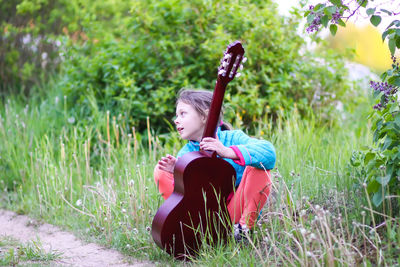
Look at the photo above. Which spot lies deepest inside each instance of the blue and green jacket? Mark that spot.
(251, 151)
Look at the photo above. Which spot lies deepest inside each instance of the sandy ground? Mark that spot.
(74, 251)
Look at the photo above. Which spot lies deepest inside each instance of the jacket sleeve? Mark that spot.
(185, 149)
(254, 152)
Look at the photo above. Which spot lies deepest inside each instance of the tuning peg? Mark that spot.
(227, 56)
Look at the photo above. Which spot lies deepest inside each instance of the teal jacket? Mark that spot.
(251, 151)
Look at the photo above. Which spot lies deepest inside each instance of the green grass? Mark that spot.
(96, 179)
(12, 253)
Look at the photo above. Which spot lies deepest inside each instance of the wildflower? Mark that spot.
(372, 231)
(148, 228)
(78, 202)
(71, 120)
(135, 231)
(26, 39)
(313, 236)
(123, 210)
(303, 231)
(309, 254)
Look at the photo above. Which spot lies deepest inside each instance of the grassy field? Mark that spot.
(96, 179)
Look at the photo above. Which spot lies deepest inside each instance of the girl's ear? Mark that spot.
(204, 117)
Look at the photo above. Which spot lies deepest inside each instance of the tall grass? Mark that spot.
(97, 180)
(316, 157)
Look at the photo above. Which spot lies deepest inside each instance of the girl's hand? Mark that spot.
(167, 163)
(212, 144)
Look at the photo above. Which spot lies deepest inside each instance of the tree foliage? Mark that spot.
(131, 57)
(31, 32)
(168, 45)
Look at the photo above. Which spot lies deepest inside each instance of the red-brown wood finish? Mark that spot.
(196, 210)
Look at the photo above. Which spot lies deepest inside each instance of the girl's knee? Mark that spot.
(157, 174)
(162, 175)
(257, 174)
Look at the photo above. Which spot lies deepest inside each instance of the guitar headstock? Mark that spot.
(231, 62)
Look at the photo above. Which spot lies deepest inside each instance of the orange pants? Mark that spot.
(247, 201)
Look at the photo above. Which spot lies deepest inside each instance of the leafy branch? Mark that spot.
(381, 165)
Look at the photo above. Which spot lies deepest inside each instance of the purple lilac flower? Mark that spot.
(388, 92)
(335, 17)
(395, 63)
(315, 24)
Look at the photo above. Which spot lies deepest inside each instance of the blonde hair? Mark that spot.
(200, 100)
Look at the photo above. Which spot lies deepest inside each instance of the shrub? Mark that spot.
(379, 166)
(30, 32)
(172, 44)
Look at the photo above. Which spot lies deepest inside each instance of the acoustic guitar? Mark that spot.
(196, 212)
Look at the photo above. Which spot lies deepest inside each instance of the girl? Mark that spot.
(249, 157)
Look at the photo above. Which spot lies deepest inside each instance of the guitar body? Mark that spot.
(196, 211)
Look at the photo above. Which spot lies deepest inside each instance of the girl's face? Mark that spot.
(189, 123)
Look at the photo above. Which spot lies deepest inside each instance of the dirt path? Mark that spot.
(74, 251)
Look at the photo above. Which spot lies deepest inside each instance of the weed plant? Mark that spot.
(97, 179)
(14, 253)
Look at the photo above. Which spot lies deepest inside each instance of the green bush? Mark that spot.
(166, 45)
(30, 33)
(378, 166)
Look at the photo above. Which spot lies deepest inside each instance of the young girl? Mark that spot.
(249, 157)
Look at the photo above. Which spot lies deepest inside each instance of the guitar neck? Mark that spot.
(215, 110)
(226, 72)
